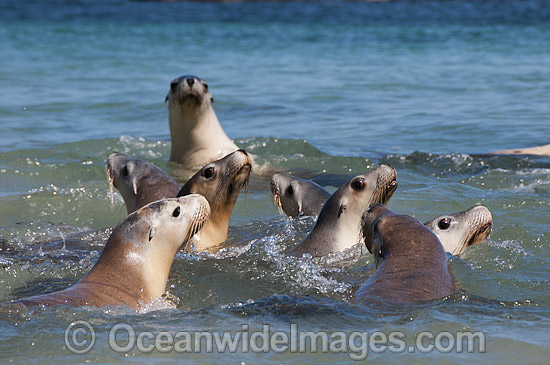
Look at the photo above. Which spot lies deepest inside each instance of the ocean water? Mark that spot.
(326, 90)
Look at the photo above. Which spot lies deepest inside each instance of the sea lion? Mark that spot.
(460, 230)
(139, 182)
(411, 262)
(296, 196)
(134, 265)
(338, 225)
(220, 182)
(196, 133)
(538, 150)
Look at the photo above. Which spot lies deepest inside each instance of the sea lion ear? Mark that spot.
(134, 187)
(378, 257)
(151, 233)
(364, 237)
(211, 99)
(376, 248)
(300, 210)
(296, 188)
(167, 97)
(341, 209)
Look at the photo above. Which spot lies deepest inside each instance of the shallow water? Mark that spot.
(325, 90)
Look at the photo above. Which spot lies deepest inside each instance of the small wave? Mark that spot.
(258, 257)
(143, 148)
(168, 301)
(452, 164)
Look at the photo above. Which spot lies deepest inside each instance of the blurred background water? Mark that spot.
(327, 89)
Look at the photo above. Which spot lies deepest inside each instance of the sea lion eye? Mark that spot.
(445, 223)
(176, 212)
(290, 191)
(208, 173)
(358, 184)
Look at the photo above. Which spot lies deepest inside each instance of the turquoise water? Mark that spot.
(324, 89)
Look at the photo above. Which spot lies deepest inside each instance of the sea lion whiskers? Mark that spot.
(388, 187)
(276, 197)
(198, 221)
(480, 233)
(246, 183)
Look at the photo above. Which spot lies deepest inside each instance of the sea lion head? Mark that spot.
(189, 92)
(283, 190)
(460, 230)
(139, 182)
(295, 196)
(163, 226)
(356, 195)
(220, 182)
(387, 233)
(411, 264)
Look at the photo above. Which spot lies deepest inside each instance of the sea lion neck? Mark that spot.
(124, 272)
(197, 136)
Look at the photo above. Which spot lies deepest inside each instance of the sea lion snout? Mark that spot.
(196, 202)
(388, 181)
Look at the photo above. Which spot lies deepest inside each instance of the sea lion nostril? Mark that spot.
(190, 81)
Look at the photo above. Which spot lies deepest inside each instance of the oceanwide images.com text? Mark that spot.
(80, 338)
